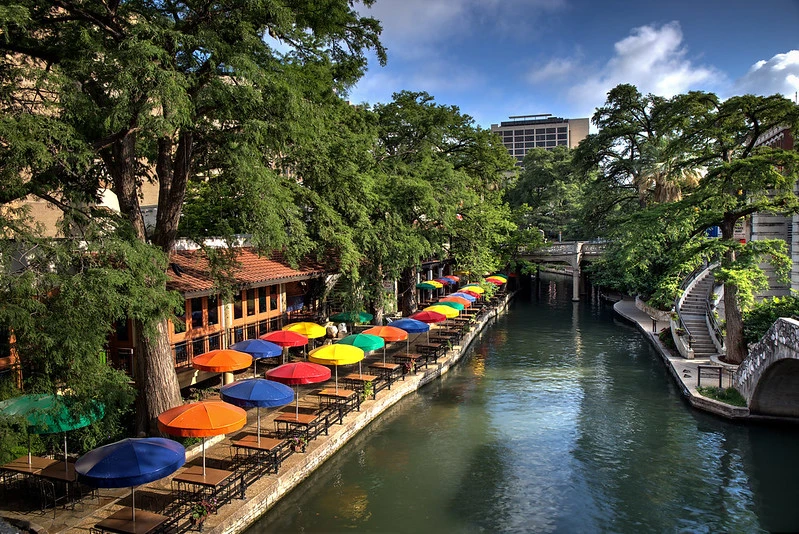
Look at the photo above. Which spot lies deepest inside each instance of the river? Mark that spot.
(562, 418)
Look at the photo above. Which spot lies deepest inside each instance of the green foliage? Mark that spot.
(729, 396)
(758, 319)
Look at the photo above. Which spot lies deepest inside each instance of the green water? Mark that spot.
(561, 419)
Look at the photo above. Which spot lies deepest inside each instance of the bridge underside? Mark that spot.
(777, 391)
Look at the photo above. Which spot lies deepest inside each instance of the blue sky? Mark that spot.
(496, 58)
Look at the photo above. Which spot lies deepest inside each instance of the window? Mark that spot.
(197, 312)
(273, 298)
(237, 306)
(180, 322)
(122, 330)
(250, 302)
(562, 129)
(561, 142)
(262, 300)
(213, 310)
(519, 132)
(550, 130)
(519, 145)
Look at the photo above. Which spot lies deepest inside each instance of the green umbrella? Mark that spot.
(365, 342)
(425, 285)
(49, 414)
(352, 317)
(458, 306)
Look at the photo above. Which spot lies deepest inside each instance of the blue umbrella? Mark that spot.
(130, 462)
(412, 326)
(258, 393)
(470, 298)
(258, 349)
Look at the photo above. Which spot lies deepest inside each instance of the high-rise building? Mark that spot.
(523, 132)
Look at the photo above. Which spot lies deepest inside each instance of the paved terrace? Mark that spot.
(266, 490)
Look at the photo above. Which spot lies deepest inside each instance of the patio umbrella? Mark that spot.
(457, 306)
(444, 281)
(501, 277)
(426, 285)
(46, 413)
(446, 311)
(365, 342)
(474, 289)
(453, 277)
(222, 361)
(336, 355)
(129, 463)
(464, 295)
(468, 291)
(412, 326)
(258, 349)
(495, 281)
(390, 334)
(258, 393)
(202, 419)
(296, 373)
(352, 317)
(309, 330)
(456, 299)
(429, 317)
(435, 283)
(286, 338)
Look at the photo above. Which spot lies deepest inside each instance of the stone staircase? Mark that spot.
(693, 311)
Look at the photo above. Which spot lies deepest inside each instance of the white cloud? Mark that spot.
(554, 70)
(778, 75)
(651, 58)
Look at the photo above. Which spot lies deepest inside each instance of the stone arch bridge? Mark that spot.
(573, 253)
(769, 377)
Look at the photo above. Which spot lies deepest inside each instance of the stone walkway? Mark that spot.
(685, 372)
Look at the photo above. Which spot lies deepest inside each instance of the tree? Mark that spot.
(437, 190)
(548, 185)
(122, 93)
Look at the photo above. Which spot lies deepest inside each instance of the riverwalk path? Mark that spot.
(685, 372)
(265, 491)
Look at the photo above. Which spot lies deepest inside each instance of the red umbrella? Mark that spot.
(286, 338)
(429, 317)
(296, 373)
(472, 293)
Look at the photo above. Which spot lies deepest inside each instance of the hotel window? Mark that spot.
(213, 310)
(518, 132)
(250, 302)
(262, 300)
(562, 129)
(550, 130)
(122, 330)
(273, 298)
(237, 306)
(197, 312)
(519, 145)
(561, 141)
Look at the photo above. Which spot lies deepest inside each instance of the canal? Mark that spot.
(560, 419)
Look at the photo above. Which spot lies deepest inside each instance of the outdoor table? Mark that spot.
(20, 465)
(342, 400)
(58, 473)
(388, 371)
(429, 350)
(357, 381)
(268, 447)
(192, 484)
(288, 421)
(410, 359)
(121, 522)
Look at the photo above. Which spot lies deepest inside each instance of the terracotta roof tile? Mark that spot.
(189, 271)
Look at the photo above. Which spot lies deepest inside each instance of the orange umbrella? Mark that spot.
(388, 333)
(459, 300)
(202, 419)
(222, 361)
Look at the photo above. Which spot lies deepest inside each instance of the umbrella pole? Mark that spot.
(133, 503)
(336, 366)
(384, 354)
(203, 456)
(66, 465)
(254, 368)
(297, 401)
(29, 448)
(258, 414)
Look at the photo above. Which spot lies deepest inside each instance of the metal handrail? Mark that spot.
(699, 269)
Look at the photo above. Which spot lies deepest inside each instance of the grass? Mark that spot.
(729, 396)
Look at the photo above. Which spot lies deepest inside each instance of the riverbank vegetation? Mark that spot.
(729, 396)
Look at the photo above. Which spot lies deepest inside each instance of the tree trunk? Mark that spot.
(156, 381)
(407, 291)
(734, 339)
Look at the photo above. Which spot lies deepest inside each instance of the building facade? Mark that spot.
(524, 132)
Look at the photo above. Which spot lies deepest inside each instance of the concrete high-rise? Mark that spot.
(523, 132)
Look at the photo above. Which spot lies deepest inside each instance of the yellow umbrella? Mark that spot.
(309, 330)
(437, 285)
(446, 311)
(475, 288)
(336, 354)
